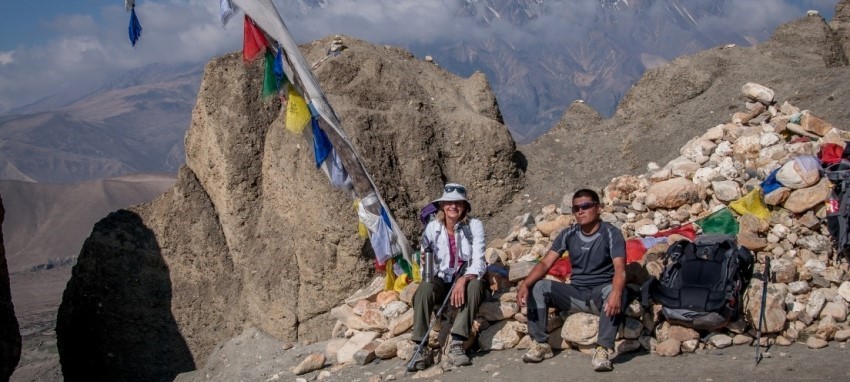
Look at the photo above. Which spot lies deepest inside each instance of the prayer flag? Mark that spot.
(254, 41)
(269, 79)
(135, 29)
(321, 144)
(721, 222)
(686, 230)
(634, 250)
(297, 113)
(228, 10)
(751, 204)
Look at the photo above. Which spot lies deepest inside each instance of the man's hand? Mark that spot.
(522, 295)
(459, 292)
(613, 304)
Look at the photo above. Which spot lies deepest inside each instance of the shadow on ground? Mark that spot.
(115, 321)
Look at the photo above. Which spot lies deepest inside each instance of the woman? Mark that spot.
(457, 242)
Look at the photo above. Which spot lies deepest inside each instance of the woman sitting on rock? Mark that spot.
(455, 240)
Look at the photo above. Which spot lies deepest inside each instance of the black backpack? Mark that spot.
(702, 282)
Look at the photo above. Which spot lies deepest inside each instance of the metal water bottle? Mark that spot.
(428, 267)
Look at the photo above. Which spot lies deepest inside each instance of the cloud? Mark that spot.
(90, 49)
(84, 53)
(6, 58)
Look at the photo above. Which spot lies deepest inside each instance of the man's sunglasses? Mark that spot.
(583, 206)
(459, 189)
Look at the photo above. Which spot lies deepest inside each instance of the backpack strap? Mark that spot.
(467, 232)
(646, 291)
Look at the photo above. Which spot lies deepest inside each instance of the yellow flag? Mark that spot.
(751, 204)
(390, 279)
(297, 112)
(401, 282)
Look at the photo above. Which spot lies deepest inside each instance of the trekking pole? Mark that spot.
(433, 320)
(765, 280)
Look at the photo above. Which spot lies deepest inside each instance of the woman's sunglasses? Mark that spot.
(583, 206)
(459, 189)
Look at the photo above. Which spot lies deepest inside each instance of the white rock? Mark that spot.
(728, 168)
(758, 92)
(395, 309)
(720, 341)
(814, 266)
(836, 310)
(747, 147)
(355, 343)
(706, 175)
(647, 230)
(798, 287)
(724, 149)
(726, 191)
(698, 150)
(581, 328)
(844, 291)
(683, 167)
(769, 139)
(816, 302)
(780, 230)
(715, 133)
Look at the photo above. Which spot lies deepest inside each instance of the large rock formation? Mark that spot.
(804, 59)
(10, 337)
(252, 234)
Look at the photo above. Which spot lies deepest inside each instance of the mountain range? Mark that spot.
(538, 55)
(134, 123)
(47, 223)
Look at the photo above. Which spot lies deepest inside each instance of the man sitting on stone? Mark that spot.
(597, 254)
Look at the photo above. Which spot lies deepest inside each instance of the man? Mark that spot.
(597, 254)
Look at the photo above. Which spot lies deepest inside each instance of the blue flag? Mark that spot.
(135, 28)
(321, 144)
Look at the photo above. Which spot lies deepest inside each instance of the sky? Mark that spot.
(56, 46)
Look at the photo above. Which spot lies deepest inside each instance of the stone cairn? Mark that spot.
(808, 302)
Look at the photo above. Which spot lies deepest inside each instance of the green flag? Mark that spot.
(721, 222)
(269, 79)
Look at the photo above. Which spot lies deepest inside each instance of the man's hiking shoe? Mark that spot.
(419, 361)
(538, 352)
(457, 355)
(601, 359)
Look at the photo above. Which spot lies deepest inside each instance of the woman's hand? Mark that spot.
(459, 292)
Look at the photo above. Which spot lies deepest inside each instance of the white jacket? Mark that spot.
(471, 254)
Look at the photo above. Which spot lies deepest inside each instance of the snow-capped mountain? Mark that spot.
(541, 55)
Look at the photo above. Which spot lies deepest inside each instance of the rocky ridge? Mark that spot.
(807, 298)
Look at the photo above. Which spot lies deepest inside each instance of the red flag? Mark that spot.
(561, 268)
(830, 153)
(686, 230)
(254, 43)
(634, 250)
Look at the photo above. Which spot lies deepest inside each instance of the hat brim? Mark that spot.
(437, 202)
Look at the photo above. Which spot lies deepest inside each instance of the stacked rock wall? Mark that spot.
(808, 295)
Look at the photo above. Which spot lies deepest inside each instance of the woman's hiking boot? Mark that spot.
(421, 360)
(601, 360)
(457, 355)
(538, 352)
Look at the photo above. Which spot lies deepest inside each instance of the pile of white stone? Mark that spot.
(807, 299)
